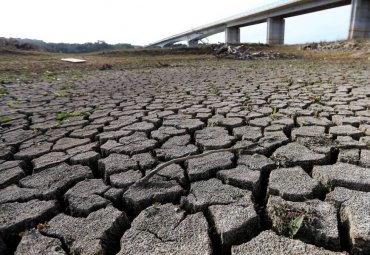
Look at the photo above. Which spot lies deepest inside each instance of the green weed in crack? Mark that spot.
(295, 225)
(274, 113)
(66, 115)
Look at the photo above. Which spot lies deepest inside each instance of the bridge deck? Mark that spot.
(284, 9)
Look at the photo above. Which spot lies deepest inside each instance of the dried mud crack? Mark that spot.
(210, 157)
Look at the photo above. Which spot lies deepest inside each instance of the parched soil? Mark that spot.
(73, 149)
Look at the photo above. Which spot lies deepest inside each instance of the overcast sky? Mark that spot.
(141, 22)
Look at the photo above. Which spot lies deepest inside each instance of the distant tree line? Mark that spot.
(30, 44)
(15, 44)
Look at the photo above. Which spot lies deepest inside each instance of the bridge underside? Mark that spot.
(193, 38)
(275, 19)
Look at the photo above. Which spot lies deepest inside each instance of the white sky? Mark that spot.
(141, 22)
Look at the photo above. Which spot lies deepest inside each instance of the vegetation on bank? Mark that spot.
(25, 66)
(39, 45)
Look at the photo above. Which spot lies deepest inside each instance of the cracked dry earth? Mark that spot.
(70, 186)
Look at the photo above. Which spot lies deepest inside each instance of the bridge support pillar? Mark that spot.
(360, 19)
(232, 35)
(193, 43)
(275, 30)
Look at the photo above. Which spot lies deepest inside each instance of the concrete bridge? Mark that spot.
(275, 15)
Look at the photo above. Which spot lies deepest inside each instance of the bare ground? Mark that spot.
(75, 140)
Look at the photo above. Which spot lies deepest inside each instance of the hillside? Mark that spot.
(14, 44)
(39, 45)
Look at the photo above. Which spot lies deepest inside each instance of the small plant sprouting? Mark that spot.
(49, 76)
(4, 120)
(156, 205)
(45, 93)
(64, 87)
(308, 89)
(62, 93)
(319, 81)
(315, 99)
(66, 115)
(14, 103)
(98, 109)
(294, 225)
(153, 210)
(35, 130)
(238, 196)
(3, 92)
(247, 106)
(274, 113)
(215, 91)
(288, 80)
(316, 114)
(177, 208)
(214, 123)
(247, 100)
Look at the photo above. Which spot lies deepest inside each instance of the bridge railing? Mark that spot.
(255, 10)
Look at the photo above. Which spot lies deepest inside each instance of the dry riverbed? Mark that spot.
(73, 145)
